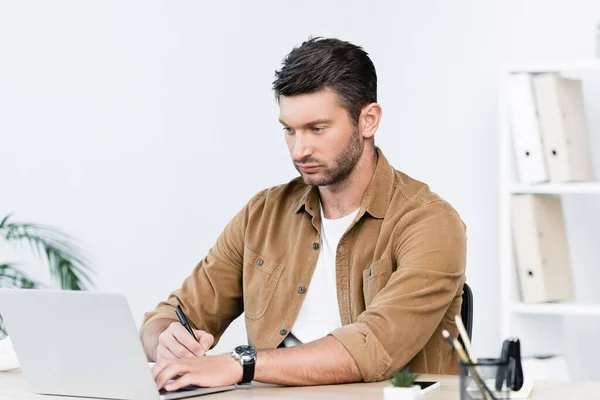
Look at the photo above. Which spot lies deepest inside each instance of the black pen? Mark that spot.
(184, 321)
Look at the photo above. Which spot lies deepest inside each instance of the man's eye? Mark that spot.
(317, 130)
(287, 129)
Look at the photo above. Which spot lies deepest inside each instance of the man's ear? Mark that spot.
(368, 122)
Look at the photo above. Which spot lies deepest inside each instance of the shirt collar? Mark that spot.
(377, 196)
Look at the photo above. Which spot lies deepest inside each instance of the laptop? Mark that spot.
(75, 343)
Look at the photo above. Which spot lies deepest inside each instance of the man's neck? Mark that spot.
(342, 198)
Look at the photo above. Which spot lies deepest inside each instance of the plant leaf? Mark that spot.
(65, 260)
(68, 266)
(4, 220)
(403, 378)
(12, 277)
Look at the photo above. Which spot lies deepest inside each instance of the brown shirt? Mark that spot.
(400, 269)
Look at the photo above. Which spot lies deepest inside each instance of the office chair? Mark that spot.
(466, 310)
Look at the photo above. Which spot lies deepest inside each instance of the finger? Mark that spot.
(163, 352)
(186, 340)
(167, 341)
(206, 339)
(159, 366)
(175, 345)
(171, 371)
(183, 381)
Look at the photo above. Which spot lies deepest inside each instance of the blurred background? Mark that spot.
(142, 127)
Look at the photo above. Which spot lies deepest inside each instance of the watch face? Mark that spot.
(245, 352)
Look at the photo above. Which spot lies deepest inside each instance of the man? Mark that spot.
(345, 274)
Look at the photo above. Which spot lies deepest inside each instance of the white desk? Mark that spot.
(13, 386)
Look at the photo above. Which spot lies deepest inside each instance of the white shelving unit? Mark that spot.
(554, 66)
(557, 309)
(516, 317)
(549, 188)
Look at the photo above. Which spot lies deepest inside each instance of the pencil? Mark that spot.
(463, 356)
(465, 338)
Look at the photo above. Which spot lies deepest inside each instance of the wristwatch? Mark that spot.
(246, 355)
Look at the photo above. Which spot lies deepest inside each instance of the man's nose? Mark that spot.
(302, 148)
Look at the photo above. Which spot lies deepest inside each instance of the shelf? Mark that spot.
(558, 188)
(557, 309)
(556, 66)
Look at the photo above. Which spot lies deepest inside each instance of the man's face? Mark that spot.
(324, 144)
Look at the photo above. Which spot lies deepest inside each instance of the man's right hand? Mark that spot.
(176, 342)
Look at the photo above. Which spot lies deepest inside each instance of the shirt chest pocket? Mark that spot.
(259, 280)
(375, 278)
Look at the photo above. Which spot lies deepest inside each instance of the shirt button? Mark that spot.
(301, 290)
(282, 332)
(260, 262)
(315, 246)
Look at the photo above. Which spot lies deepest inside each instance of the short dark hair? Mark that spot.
(321, 63)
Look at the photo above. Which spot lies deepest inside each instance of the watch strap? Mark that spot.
(248, 375)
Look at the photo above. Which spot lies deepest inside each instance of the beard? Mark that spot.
(343, 165)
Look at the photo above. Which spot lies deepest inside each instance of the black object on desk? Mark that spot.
(500, 376)
(513, 373)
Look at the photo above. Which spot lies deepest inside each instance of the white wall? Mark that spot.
(141, 127)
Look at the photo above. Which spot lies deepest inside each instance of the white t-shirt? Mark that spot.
(319, 313)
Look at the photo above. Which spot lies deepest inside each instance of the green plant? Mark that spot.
(69, 268)
(403, 378)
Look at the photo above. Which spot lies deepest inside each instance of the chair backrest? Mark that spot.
(466, 311)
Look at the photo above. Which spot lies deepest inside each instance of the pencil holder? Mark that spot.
(486, 379)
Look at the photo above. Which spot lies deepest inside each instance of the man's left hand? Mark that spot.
(207, 371)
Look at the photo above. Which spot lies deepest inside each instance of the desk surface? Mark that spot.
(13, 386)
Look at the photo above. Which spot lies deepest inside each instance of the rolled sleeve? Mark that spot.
(162, 311)
(369, 354)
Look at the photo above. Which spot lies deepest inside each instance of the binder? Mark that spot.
(527, 139)
(541, 249)
(564, 128)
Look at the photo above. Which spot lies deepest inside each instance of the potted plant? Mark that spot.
(403, 387)
(69, 267)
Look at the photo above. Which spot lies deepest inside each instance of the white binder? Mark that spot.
(541, 249)
(527, 140)
(564, 128)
